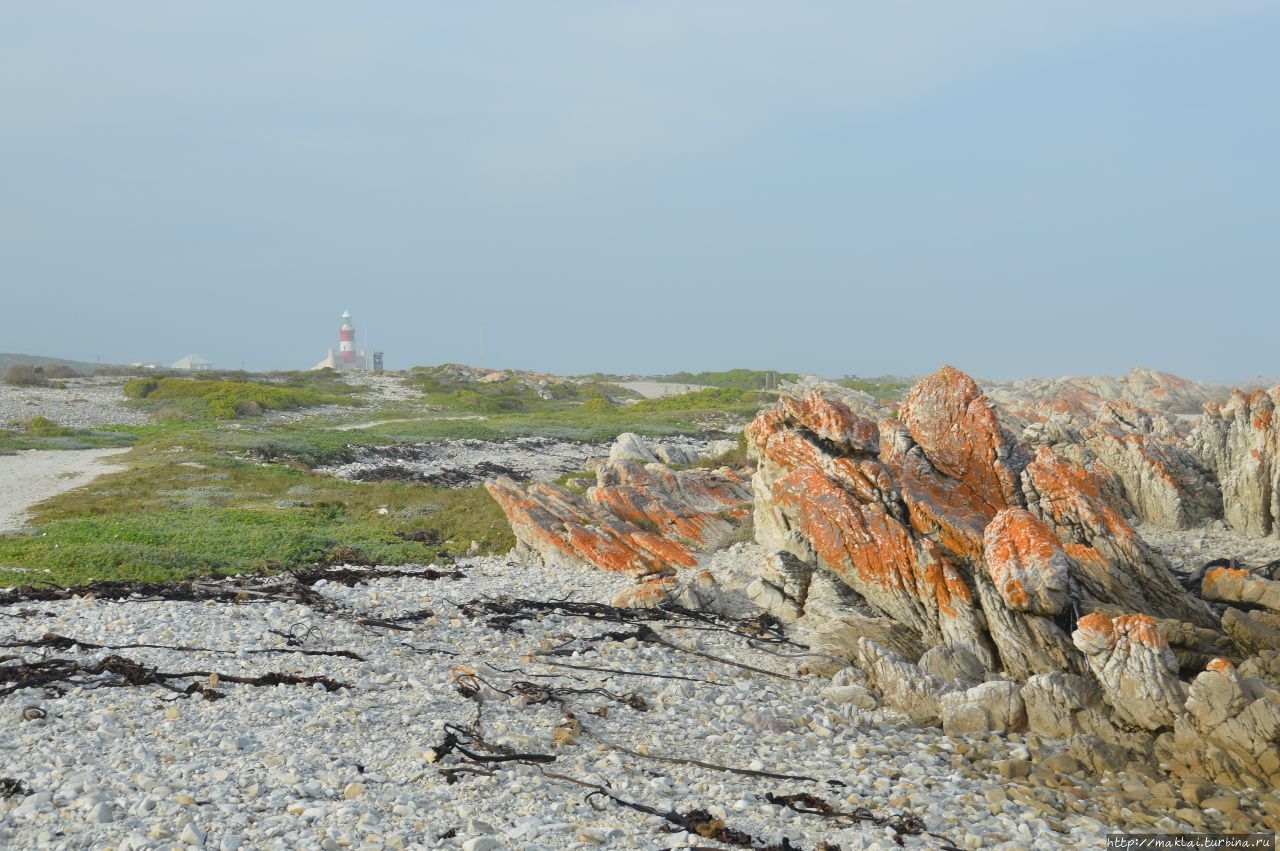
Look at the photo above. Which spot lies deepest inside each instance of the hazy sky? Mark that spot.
(839, 187)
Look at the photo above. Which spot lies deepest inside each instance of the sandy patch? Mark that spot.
(35, 475)
(658, 389)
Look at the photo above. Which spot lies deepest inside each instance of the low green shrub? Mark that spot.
(224, 399)
(42, 427)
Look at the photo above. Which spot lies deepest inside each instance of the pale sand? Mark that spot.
(34, 475)
(658, 389)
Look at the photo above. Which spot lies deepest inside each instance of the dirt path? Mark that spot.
(35, 475)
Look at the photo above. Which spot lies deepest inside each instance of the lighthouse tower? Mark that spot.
(347, 343)
(346, 356)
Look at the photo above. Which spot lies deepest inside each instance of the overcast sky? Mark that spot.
(1014, 188)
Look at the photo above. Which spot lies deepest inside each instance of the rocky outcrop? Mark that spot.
(1015, 568)
(1240, 442)
(939, 522)
(1112, 564)
(1151, 469)
(1231, 730)
(639, 519)
(1085, 397)
(1135, 667)
(1237, 585)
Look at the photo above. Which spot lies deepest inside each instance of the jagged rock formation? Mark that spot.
(639, 519)
(1138, 672)
(1085, 397)
(1240, 442)
(947, 526)
(1231, 730)
(979, 581)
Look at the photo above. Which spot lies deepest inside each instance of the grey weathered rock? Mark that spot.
(631, 447)
(1137, 671)
(953, 665)
(1252, 631)
(1059, 705)
(901, 684)
(994, 707)
(782, 586)
(1099, 756)
(1158, 477)
(1231, 730)
(1240, 442)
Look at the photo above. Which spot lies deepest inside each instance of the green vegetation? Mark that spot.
(43, 433)
(229, 398)
(711, 399)
(884, 389)
(42, 427)
(741, 379)
(201, 496)
(448, 388)
(176, 512)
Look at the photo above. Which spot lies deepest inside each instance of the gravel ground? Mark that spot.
(1189, 549)
(467, 462)
(83, 403)
(297, 766)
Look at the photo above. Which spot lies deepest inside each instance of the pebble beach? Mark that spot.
(299, 766)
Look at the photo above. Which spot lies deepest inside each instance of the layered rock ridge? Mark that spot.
(944, 531)
(642, 519)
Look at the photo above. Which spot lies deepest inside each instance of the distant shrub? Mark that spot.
(25, 375)
(714, 398)
(598, 405)
(140, 388)
(42, 427)
(741, 379)
(59, 371)
(223, 399)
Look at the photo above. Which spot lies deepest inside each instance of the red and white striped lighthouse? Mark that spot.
(347, 342)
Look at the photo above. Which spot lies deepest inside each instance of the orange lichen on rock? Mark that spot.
(940, 509)
(953, 422)
(828, 420)
(943, 582)
(1211, 577)
(553, 525)
(1143, 630)
(831, 420)
(858, 541)
(1097, 629)
(1026, 563)
(1219, 664)
(1103, 632)
(646, 595)
(876, 556)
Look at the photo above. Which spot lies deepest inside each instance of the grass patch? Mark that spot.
(41, 427)
(883, 389)
(739, 379)
(43, 433)
(202, 496)
(163, 520)
(229, 398)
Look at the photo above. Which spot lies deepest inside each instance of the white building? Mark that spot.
(193, 363)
